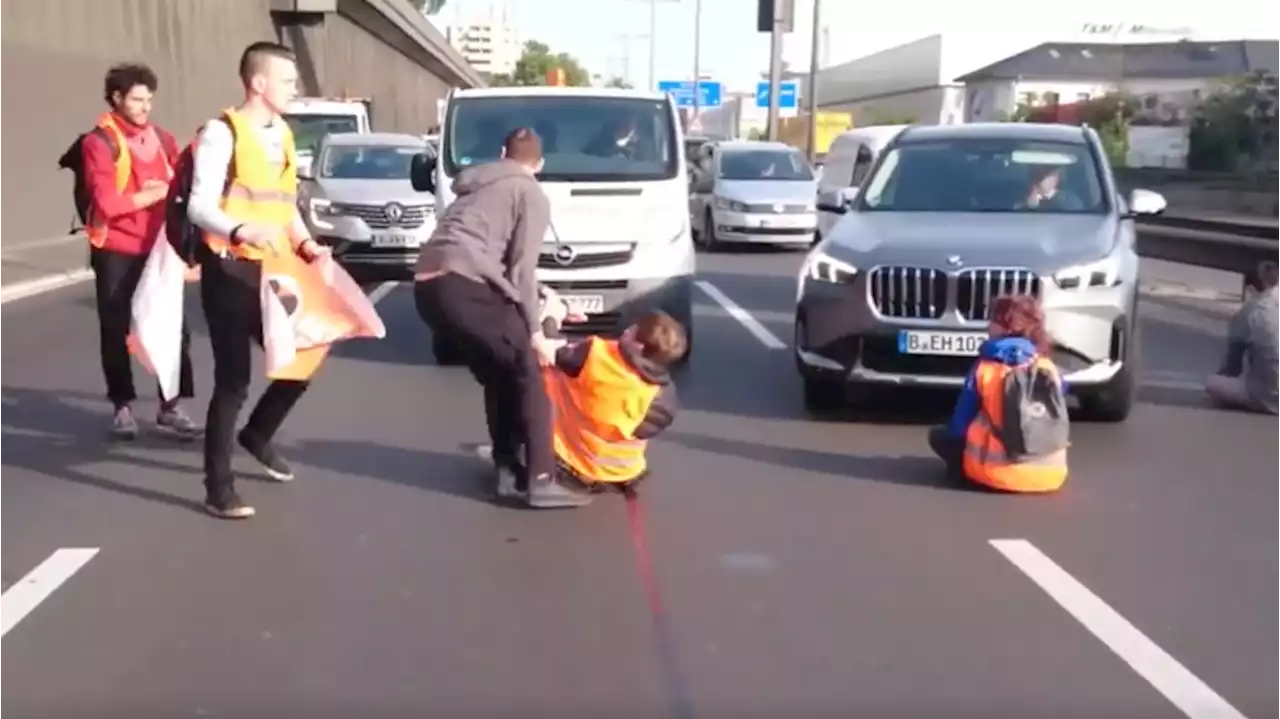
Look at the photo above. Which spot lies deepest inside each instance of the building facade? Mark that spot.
(489, 42)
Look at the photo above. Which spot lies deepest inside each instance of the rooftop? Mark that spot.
(1111, 62)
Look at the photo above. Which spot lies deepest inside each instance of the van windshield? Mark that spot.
(584, 139)
(309, 129)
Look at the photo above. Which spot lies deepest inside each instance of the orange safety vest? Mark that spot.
(597, 413)
(95, 226)
(259, 190)
(985, 461)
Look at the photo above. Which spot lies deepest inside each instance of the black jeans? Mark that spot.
(115, 277)
(229, 292)
(494, 339)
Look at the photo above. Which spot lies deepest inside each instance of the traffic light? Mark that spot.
(786, 15)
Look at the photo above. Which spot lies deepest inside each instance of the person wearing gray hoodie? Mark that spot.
(475, 285)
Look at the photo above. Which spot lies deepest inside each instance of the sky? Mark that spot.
(733, 52)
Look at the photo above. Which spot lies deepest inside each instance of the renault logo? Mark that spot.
(954, 260)
(393, 212)
(564, 255)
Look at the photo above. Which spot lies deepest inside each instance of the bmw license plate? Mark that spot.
(395, 239)
(947, 344)
(586, 304)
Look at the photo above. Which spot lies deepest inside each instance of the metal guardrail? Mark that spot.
(1233, 245)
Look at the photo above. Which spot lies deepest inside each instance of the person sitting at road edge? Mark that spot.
(1249, 377)
(1009, 430)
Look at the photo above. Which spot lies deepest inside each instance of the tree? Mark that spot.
(1235, 128)
(534, 64)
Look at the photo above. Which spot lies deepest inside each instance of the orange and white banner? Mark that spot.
(156, 337)
(306, 307)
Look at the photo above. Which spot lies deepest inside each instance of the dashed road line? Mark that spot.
(41, 285)
(27, 593)
(759, 331)
(381, 291)
(1182, 688)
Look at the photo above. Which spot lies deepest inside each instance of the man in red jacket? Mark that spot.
(128, 164)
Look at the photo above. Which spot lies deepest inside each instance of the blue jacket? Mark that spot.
(1011, 351)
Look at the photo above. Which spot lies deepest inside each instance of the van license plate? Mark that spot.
(395, 239)
(586, 304)
(948, 344)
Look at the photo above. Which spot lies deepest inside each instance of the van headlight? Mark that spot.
(725, 203)
(322, 212)
(1103, 273)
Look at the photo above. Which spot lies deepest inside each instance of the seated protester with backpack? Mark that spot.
(610, 398)
(1009, 431)
(123, 167)
(1249, 378)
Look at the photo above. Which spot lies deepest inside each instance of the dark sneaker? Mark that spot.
(175, 421)
(230, 507)
(123, 425)
(546, 493)
(272, 463)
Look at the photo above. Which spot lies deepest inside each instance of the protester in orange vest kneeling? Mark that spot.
(1009, 431)
(610, 398)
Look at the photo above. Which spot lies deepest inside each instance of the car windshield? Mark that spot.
(308, 130)
(986, 175)
(584, 139)
(367, 162)
(764, 165)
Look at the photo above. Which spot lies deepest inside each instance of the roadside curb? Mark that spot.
(41, 285)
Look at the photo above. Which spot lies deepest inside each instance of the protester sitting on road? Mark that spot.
(610, 398)
(475, 284)
(125, 165)
(1250, 370)
(1009, 430)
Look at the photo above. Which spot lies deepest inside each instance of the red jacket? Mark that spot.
(129, 230)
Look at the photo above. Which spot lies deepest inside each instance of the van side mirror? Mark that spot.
(1146, 202)
(422, 172)
(304, 171)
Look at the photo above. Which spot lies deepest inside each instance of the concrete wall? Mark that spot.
(55, 53)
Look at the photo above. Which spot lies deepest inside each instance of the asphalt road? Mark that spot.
(800, 568)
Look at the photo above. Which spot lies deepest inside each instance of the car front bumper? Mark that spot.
(623, 301)
(773, 229)
(839, 336)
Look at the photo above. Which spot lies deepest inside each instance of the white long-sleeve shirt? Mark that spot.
(212, 159)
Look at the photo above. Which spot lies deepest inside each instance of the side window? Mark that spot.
(861, 166)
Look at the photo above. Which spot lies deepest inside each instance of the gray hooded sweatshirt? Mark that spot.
(493, 233)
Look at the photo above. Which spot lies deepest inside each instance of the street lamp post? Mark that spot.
(812, 100)
(697, 56)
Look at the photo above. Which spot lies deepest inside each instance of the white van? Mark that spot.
(848, 161)
(615, 174)
(311, 118)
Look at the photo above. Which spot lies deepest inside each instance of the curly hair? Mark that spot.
(1021, 316)
(126, 76)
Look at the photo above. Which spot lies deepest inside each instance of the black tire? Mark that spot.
(446, 354)
(1114, 401)
(822, 396)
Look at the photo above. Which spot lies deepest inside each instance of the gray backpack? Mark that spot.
(1035, 413)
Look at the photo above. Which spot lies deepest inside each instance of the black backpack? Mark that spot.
(73, 159)
(182, 234)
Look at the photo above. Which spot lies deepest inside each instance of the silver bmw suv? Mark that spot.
(951, 217)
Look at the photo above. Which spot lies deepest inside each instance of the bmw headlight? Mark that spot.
(821, 267)
(1103, 273)
(725, 203)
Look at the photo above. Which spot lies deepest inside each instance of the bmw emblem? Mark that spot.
(954, 260)
(394, 212)
(564, 255)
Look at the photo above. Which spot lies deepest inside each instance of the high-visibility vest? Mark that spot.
(597, 414)
(985, 460)
(259, 190)
(95, 225)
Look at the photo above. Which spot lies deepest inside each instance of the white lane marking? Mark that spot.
(767, 338)
(55, 241)
(27, 593)
(381, 291)
(41, 285)
(1182, 688)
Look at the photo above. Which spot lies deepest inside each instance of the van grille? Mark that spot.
(586, 260)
